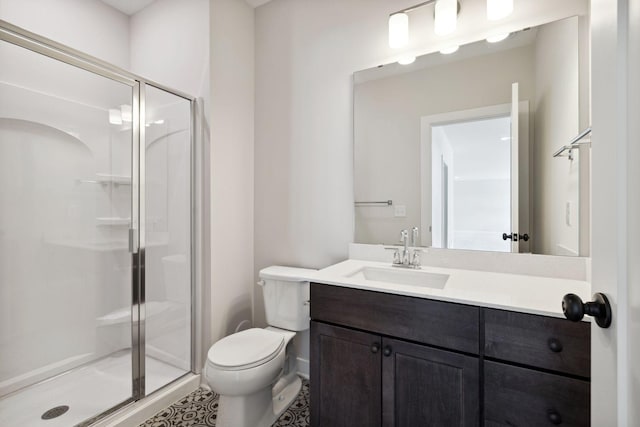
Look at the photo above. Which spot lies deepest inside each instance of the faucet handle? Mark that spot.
(415, 259)
(396, 254)
(404, 235)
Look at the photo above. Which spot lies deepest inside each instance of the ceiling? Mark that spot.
(128, 7)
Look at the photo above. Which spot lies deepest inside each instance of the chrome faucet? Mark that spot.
(407, 258)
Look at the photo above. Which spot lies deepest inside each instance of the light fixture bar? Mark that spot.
(414, 7)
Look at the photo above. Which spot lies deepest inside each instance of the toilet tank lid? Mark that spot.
(278, 272)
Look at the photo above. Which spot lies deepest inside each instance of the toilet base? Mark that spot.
(260, 409)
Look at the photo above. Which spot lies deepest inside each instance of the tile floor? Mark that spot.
(200, 408)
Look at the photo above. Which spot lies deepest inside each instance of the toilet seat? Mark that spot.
(246, 349)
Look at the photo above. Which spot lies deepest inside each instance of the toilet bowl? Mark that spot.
(254, 371)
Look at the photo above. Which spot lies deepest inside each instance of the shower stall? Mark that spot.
(97, 230)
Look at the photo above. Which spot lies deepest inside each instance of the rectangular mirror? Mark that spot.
(462, 146)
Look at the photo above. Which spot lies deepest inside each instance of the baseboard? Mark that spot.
(303, 368)
(138, 412)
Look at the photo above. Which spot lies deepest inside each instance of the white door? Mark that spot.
(615, 62)
(515, 156)
(471, 205)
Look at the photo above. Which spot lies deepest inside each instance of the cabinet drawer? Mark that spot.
(544, 342)
(524, 397)
(453, 326)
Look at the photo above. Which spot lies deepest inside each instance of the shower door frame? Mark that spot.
(41, 45)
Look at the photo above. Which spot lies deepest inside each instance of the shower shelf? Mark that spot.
(107, 179)
(123, 315)
(113, 221)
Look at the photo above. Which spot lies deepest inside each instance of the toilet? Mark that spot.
(254, 371)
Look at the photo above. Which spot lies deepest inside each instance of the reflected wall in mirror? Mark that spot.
(462, 146)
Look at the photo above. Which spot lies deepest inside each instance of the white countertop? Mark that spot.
(515, 292)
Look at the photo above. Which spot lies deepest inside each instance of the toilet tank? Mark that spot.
(286, 296)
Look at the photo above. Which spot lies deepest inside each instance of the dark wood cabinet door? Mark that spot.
(424, 386)
(345, 373)
(522, 397)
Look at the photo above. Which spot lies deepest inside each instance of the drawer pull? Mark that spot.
(387, 351)
(554, 418)
(375, 347)
(554, 345)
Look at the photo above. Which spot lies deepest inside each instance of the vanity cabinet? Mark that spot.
(363, 379)
(387, 375)
(381, 359)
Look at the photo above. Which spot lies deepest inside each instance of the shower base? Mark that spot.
(87, 391)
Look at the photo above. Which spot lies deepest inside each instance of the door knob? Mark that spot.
(574, 309)
(515, 236)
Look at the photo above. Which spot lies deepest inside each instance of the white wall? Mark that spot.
(88, 26)
(306, 52)
(170, 45)
(232, 203)
(556, 180)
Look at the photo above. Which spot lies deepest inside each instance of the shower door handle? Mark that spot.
(133, 241)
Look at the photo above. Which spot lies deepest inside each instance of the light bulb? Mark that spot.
(115, 118)
(449, 50)
(498, 9)
(497, 37)
(406, 60)
(398, 30)
(446, 16)
(126, 112)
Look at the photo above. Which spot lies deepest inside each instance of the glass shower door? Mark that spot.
(65, 267)
(167, 235)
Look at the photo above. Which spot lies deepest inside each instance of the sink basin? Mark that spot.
(401, 277)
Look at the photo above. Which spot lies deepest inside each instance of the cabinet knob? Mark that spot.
(554, 345)
(554, 417)
(574, 309)
(375, 347)
(387, 351)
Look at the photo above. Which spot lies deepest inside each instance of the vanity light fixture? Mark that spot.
(449, 50)
(445, 21)
(497, 37)
(406, 60)
(498, 9)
